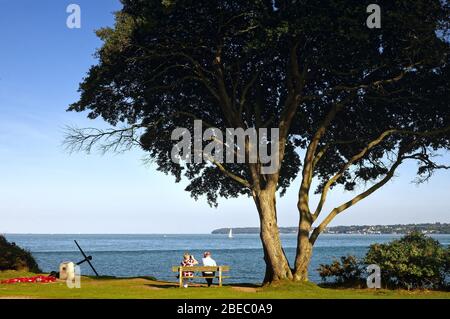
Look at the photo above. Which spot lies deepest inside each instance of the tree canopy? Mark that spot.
(231, 64)
(355, 102)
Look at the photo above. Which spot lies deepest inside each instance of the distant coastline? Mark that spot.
(426, 228)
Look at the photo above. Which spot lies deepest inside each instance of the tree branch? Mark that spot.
(307, 172)
(245, 90)
(378, 83)
(77, 140)
(325, 148)
(318, 230)
(361, 154)
(235, 177)
(224, 99)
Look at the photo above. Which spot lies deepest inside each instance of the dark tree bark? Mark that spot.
(277, 265)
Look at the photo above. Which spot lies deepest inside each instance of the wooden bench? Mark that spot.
(217, 269)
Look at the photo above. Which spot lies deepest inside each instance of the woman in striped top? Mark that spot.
(188, 261)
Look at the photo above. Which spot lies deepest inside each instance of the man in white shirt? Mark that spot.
(208, 261)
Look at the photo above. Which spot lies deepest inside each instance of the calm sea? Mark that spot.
(153, 255)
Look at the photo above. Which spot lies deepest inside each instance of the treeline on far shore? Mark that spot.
(427, 228)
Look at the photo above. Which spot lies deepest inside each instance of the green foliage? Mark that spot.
(414, 261)
(13, 257)
(248, 64)
(347, 271)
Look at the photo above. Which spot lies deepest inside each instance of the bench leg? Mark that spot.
(220, 276)
(181, 278)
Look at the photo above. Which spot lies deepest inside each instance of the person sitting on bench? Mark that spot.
(208, 261)
(188, 261)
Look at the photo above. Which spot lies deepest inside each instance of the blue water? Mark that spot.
(153, 255)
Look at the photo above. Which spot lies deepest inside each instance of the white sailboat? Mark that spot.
(230, 234)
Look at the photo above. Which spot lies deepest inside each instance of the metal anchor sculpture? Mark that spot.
(86, 259)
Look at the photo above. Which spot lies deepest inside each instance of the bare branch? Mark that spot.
(116, 140)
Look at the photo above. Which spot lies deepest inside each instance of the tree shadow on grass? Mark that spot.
(169, 284)
(121, 278)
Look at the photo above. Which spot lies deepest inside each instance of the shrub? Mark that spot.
(13, 257)
(347, 271)
(414, 261)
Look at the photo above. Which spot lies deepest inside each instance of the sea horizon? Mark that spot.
(239, 228)
(135, 255)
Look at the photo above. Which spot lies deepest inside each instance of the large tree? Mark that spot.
(354, 102)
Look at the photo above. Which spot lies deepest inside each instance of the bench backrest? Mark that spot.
(200, 268)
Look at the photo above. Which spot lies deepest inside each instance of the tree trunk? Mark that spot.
(277, 265)
(303, 258)
(304, 246)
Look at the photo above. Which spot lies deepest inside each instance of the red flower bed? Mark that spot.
(35, 279)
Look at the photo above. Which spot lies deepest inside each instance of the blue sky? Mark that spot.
(43, 189)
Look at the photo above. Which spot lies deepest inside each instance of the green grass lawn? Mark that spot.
(148, 288)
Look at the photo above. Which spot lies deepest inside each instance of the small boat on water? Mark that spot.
(230, 234)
